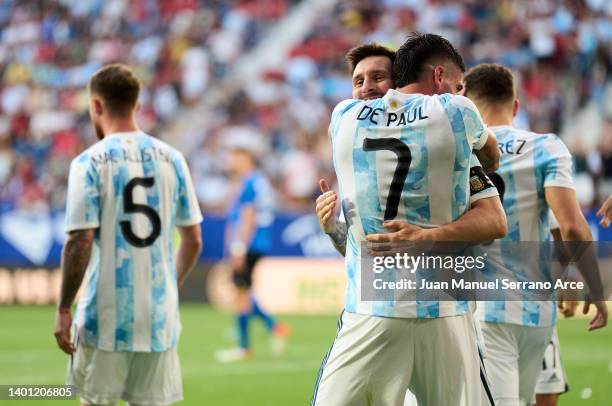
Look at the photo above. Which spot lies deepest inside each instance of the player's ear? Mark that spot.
(515, 107)
(137, 109)
(98, 106)
(438, 76)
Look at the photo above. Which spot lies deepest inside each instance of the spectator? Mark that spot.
(560, 50)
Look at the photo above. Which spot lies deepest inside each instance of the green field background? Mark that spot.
(28, 355)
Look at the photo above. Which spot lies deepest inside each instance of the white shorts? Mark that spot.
(552, 378)
(410, 399)
(139, 378)
(375, 360)
(514, 360)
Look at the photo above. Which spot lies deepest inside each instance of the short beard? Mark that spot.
(373, 96)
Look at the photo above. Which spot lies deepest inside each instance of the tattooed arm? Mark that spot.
(75, 257)
(338, 237)
(324, 208)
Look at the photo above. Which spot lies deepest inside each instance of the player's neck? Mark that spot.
(493, 119)
(415, 88)
(114, 126)
(495, 114)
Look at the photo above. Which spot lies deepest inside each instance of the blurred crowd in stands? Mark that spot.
(560, 50)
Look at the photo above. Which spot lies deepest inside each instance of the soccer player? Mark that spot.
(536, 170)
(382, 348)
(126, 193)
(370, 66)
(552, 380)
(248, 236)
(605, 212)
(491, 87)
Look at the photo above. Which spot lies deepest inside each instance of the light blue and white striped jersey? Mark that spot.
(481, 186)
(402, 157)
(133, 189)
(529, 163)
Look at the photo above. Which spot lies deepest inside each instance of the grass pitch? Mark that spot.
(28, 355)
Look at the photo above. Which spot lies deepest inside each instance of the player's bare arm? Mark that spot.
(484, 221)
(325, 210)
(489, 154)
(573, 226)
(566, 307)
(605, 212)
(75, 257)
(188, 251)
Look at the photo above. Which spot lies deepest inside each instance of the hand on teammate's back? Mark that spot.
(398, 231)
(605, 212)
(325, 206)
(394, 240)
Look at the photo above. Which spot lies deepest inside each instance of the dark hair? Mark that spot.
(117, 87)
(419, 50)
(357, 54)
(490, 83)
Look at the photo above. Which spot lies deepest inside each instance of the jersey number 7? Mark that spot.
(404, 158)
(130, 207)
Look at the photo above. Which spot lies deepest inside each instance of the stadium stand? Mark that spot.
(183, 48)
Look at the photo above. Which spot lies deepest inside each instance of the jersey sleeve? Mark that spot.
(558, 170)
(481, 187)
(337, 114)
(462, 113)
(248, 195)
(83, 200)
(188, 209)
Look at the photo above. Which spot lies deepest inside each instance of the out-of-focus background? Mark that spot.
(274, 69)
(271, 70)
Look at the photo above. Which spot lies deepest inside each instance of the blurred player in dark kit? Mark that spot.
(248, 238)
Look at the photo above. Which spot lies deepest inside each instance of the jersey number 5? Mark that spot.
(404, 158)
(130, 207)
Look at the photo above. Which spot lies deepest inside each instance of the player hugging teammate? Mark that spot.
(408, 345)
(410, 155)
